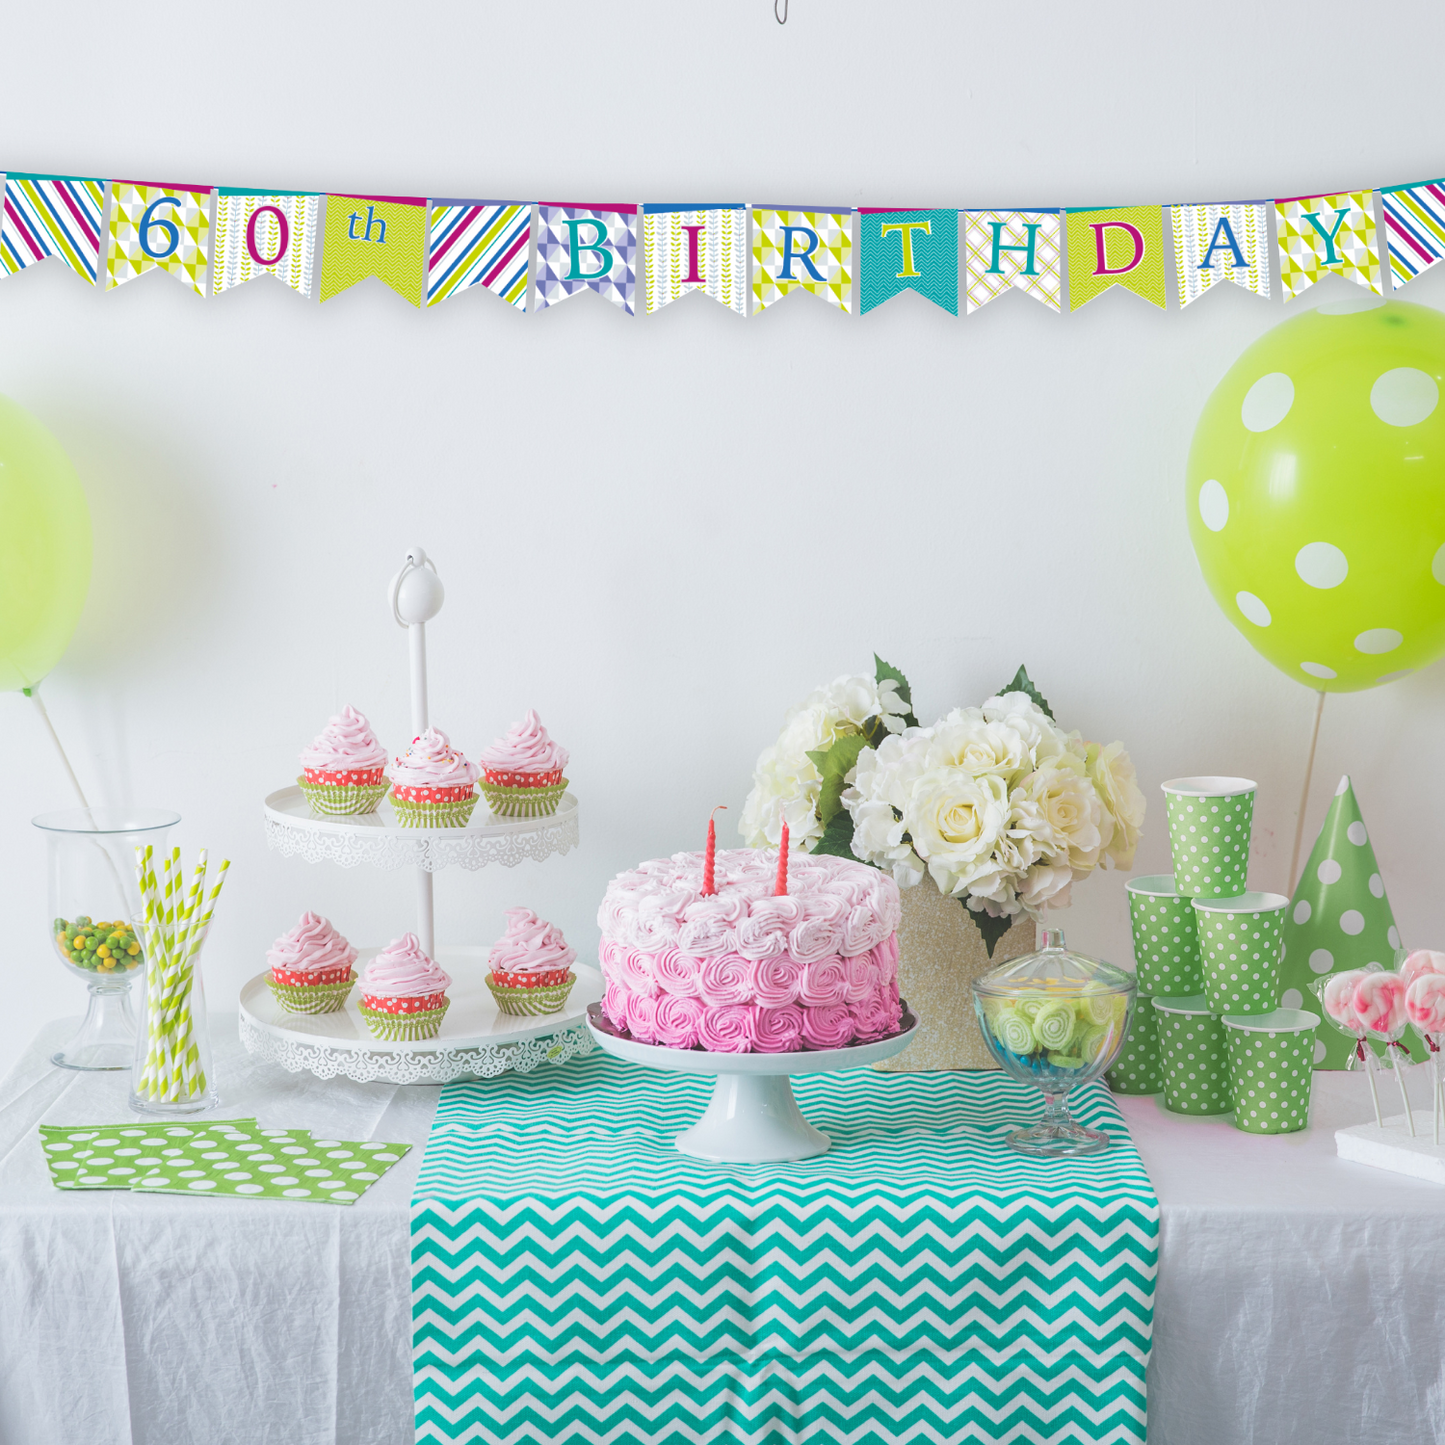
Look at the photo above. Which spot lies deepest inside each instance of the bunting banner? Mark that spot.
(811, 249)
(1220, 243)
(1007, 250)
(696, 248)
(907, 251)
(1327, 235)
(158, 226)
(51, 216)
(1118, 246)
(479, 243)
(381, 236)
(264, 233)
(1414, 228)
(586, 248)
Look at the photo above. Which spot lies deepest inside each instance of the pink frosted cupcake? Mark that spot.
(432, 784)
(343, 771)
(311, 969)
(522, 772)
(403, 992)
(531, 966)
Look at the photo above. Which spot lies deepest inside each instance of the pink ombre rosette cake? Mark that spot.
(432, 784)
(311, 969)
(522, 772)
(403, 992)
(746, 971)
(343, 771)
(531, 966)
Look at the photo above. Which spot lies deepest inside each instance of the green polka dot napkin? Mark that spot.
(1210, 822)
(90, 1157)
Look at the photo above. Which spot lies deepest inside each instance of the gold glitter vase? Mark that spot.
(941, 952)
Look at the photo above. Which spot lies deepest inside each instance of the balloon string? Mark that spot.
(33, 693)
(1299, 827)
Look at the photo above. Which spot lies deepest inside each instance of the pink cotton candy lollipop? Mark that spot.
(1425, 1002)
(1379, 1001)
(1338, 996)
(1420, 962)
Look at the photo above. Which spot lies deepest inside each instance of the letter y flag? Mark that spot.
(1324, 235)
(381, 236)
(158, 226)
(586, 248)
(260, 233)
(908, 250)
(807, 249)
(1122, 246)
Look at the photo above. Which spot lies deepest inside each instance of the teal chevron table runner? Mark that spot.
(575, 1278)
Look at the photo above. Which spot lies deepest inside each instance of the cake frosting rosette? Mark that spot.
(531, 966)
(311, 969)
(344, 771)
(403, 992)
(432, 784)
(522, 772)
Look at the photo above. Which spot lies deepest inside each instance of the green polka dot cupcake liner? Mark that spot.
(1166, 940)
(1138, 1069)
(1194, 1057)
(1210, 823)
(1241, 946)
(1271, 1070)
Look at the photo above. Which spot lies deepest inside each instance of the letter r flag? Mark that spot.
(803, 249)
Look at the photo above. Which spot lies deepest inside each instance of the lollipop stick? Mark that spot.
(1437, 1101)
(1374, 1092)
(1404, 1097)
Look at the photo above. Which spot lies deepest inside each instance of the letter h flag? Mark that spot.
(51, 216)
(586, 248)
(161, 226)
(1323, 235)
(1007, 249)
(1119, 246)
(264, 233)
(1220, 243)
(811, 249)
(696, 248)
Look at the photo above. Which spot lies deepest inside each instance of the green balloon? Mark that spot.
(44, 549)
(1316, 494)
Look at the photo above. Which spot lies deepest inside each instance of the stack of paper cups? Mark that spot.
(1271, 1069)
(1240, 941)
(1195, 1056)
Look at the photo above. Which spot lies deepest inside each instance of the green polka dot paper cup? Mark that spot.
(1210, 820)
(1136, 1069)
(1271, 1067)
(1240, 949)
(1166, 941)
(1193, 1055)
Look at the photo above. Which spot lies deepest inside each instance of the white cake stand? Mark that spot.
(752, 1117)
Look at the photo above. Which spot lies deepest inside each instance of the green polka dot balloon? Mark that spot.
(1269, 1078)
(1316, 494)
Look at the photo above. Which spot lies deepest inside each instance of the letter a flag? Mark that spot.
(51, 216)
(696, 248)
(1327, 235)
(586, 248)
(1414, 228)
(381, 236)
(811, 249)
(1007, 249)
(907, 250)
(156, 225)
(479, 243)
(1121, 246)
(264, 233)
(1220, 243)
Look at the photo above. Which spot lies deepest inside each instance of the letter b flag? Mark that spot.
(1122, 246)
(586, 248)
(908, 250)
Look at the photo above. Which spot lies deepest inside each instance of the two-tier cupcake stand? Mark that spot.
(476, 1040)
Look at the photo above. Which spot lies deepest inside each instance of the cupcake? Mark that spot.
(432, 784)
(403, 993)
(531, 965)
(343, 771)
(311, 969)
(522, 772)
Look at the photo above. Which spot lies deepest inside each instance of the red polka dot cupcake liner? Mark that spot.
(433, 807)
(513, 778)
(300, 977)
(345, 777)
(521, 1002)
(315, 996)
(342, 800)
(543, 978)
(397, 1019)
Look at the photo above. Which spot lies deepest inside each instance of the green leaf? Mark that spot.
(835, 763)
(886, 672)
(837, 838)
(992, 928)
(1023, 684)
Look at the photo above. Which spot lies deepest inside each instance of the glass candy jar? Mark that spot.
(94, 915)
(1055, 1020)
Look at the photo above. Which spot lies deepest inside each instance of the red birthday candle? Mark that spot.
(708, 886)
(781, 888)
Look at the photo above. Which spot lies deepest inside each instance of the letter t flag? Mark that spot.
(908, 250)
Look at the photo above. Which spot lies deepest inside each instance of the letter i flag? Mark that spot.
(586, 248)
(479, 243)
(51, 216)
(811, 249)
(1220, 243)
(1327, 235)
(907, 250)
(264, 233)
(1007, 249)
(1414, 228)
(381, 236)
(1120, 246)
(696, 248)
(153, 225)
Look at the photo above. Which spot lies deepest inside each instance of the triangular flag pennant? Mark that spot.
(908, 251)
(264, 233)
(1220, 243)
(1007, 249)
(1327, 235)
(158, 226)
(696, 248)
(1414, 228)
(51, 216)
(801, 249)
(1119, 246)
(586, 248)
(381, 236)
(479, 243)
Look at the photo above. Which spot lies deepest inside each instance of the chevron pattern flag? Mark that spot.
(479, 243)
(1220, 243)
(1007, 249)
(1327, 235)
(261, 233)
(163, 226)
(587, 248)
(51, 216)
(1414, 228)
(696, 248)
(575, 1278)
(907, 250)
(1117, 246)
(811, 250)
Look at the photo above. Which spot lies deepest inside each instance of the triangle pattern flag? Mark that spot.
(381, 236)
(696, 248)
(1220, 243)
(479, 243)
(907, 251)
(1414, 228)
(1118, 246)
(1003, 250)
(158, 226)
(811, 250)
(264, 233)
(1327, 235)
(51, 216)
(586, 248)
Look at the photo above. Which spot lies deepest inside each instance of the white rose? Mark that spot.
(786, 784)
(1046, 885)
(966, 739)
(1066, 801)
(1043, 738)
(1111, 771)
(955, 819)
(878, 838)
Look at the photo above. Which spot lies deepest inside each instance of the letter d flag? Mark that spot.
(1123, 246)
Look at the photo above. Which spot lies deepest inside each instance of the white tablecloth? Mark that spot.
(1300, 1298)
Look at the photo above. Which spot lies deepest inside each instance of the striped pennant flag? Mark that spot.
(1414, 228)
(479, 243)
(51, 216)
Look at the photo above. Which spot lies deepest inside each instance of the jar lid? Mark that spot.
(1054, 969)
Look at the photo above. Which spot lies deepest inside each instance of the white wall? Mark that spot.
(662, 532)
